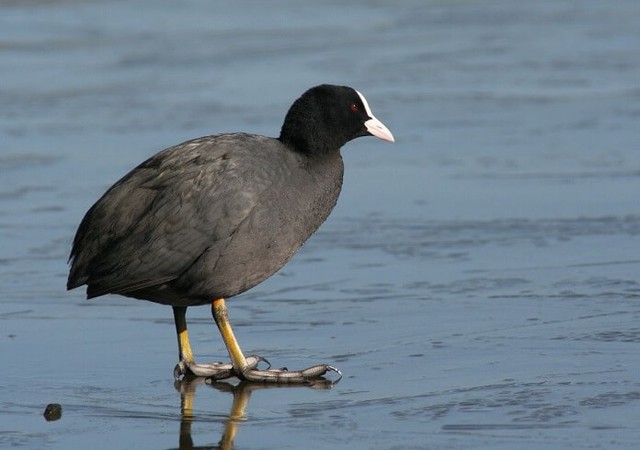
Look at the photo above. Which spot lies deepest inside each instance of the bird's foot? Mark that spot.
(221, 371)
(284, 376)
(216, 371)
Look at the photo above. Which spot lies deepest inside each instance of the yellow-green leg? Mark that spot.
(184, 347)
(221, 316)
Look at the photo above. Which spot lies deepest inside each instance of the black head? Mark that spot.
(326, 117)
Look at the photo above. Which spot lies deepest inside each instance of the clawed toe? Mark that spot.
(284, 376)
(192, 370)
(215, 371)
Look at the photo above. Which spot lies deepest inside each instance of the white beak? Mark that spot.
(377, 128)
(374, 126)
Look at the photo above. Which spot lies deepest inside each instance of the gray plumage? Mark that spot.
(208, 218)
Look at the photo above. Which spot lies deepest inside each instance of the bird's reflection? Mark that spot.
(241, 393)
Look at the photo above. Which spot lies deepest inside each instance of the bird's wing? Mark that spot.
(160, 218)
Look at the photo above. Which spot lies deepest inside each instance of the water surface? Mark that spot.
(477, 283)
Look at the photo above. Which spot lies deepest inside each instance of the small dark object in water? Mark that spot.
(52, 412)
(212, 217)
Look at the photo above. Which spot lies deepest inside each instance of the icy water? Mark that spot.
(478, 283)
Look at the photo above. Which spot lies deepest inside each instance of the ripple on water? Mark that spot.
(520, 406)
(27, 160)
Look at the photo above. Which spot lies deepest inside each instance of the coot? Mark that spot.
(212, 217)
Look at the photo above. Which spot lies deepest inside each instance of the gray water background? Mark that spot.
(477, 283)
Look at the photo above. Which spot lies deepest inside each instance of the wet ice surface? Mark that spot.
(477, 283)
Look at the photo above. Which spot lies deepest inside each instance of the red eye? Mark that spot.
(354, 107)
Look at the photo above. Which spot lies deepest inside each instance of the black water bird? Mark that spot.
(212, 217)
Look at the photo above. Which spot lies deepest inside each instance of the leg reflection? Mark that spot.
(241, 394)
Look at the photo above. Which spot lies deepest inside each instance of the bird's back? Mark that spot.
(208, 218)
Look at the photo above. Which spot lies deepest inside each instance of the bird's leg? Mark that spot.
(246, 371)
(184, 347)
(186, 362)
